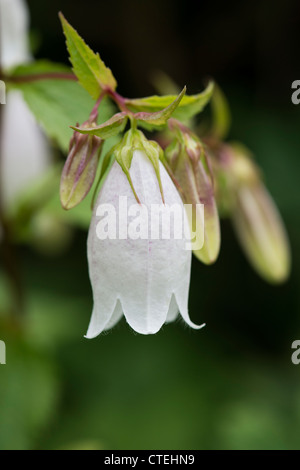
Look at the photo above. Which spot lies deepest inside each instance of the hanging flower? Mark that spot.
(146, 279)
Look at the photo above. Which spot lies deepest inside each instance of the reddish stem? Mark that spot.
(94, 113)
(118, 99)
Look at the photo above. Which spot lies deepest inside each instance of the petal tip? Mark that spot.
(91, 335)
(194, 326)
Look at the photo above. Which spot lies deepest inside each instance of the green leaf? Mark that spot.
(159, 118)
(90, 70)
(189, 106)
(56, 103)
(110, 128)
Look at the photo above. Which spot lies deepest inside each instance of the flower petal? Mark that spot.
(101, 320)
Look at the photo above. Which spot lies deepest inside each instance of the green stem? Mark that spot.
(133, 123)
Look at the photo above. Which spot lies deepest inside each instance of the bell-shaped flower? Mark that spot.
(255, 217)
(80, 168)
(25, 154)
(190, 167)
(144, 277)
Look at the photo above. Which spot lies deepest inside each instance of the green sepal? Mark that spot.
(105, 164)
(155, 153)
(157, 119)
(135, 140)
(110, 128)
(88, 67)
(189, 106)
(123, 153)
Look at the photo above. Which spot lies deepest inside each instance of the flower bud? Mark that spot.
(80, 169)
(256, 220)
(191, 170)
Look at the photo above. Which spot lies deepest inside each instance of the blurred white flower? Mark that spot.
(146, 279)
(25, 154)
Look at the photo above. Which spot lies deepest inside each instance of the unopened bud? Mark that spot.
(191, 169)
(255, 217)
